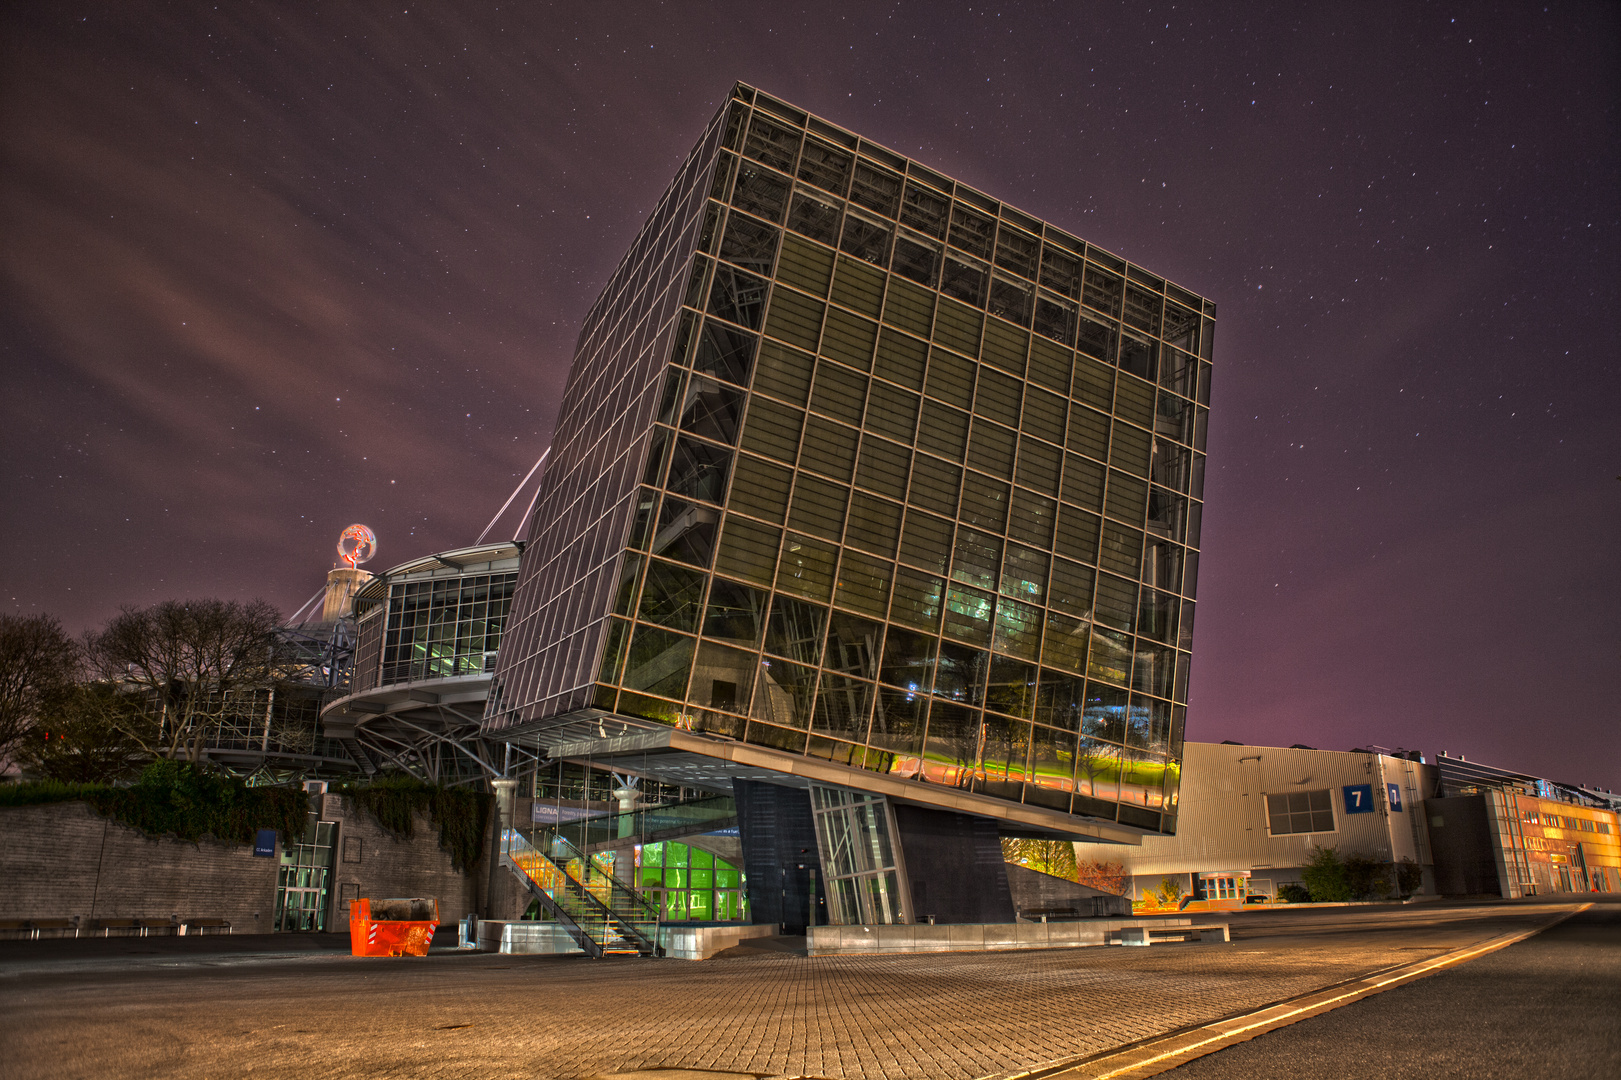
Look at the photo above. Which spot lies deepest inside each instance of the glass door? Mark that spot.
(303, 882)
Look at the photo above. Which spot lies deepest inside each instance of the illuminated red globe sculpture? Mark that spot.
(357, 545)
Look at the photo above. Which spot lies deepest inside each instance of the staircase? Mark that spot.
(601, 913)
(564, 868)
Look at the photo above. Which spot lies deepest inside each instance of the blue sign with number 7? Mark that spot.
(1359, 798)
(1393, 793)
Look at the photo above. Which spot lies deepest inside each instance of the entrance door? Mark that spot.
(303, 882)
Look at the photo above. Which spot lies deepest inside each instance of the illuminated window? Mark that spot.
(689, 884)
(1224, 888)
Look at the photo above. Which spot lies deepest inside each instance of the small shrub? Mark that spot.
(1324, 876)
(1366, 878)
(1409, 876)
(1294, 893)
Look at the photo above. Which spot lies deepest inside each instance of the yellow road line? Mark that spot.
(1164, 1054)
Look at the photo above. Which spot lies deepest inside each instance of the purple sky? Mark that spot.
(269, 271)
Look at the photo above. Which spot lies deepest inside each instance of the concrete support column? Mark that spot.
(505, 797)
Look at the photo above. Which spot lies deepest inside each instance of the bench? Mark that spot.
(54, 927)
(206, 926)
(113, 927)
(1144, 935)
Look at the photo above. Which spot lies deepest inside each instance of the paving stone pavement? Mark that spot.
(941, 1016)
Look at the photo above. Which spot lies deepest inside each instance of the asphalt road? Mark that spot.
(1545, 1008)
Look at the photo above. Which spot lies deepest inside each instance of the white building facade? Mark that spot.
(1250, 818)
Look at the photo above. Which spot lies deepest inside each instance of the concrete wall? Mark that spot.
(954, 866)
(63, 859)
(779, 851)
(1466, 855)
(373, 863)
(1222, 824)
(1035, 894)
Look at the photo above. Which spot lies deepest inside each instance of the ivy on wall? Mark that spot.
(459, 812)
(174, 798)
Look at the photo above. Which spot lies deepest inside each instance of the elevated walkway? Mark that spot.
(650, 824)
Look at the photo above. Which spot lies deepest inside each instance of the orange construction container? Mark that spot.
(392, 927)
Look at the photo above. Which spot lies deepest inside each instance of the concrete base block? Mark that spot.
(702, 942)
(982, 937)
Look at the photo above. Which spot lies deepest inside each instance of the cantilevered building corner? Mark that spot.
(867, 482)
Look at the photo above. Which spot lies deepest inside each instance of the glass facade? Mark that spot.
(893, 476)
(435, 618)
(859, 849)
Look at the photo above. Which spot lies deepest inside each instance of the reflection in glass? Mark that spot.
(1060, 700)
(917, 599)
(671, 596)
(736, 613)
(795, 629)
(726, 353)
(960, 673)
(908, 660)
(1024, 574)
(951, 749)
(1018, 629)
(698, 470)
(897, 727)
(977, 558)
(1011, 688)
(968, 614)
(852, 645)
(1066, 641)
(1052, 768)
(1003, 756)
(1154, 668)
(659, 662)
(686, 531)
(1156, 617)
(1104, 715)
(783, 693)
(1097, 772)
(842, 708)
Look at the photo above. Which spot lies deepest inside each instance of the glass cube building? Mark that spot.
(866, 480)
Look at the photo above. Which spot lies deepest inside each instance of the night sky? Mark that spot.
(270, 270)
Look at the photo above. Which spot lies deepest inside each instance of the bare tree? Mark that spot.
(84, 738)
(184, 665)
(39, 665)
